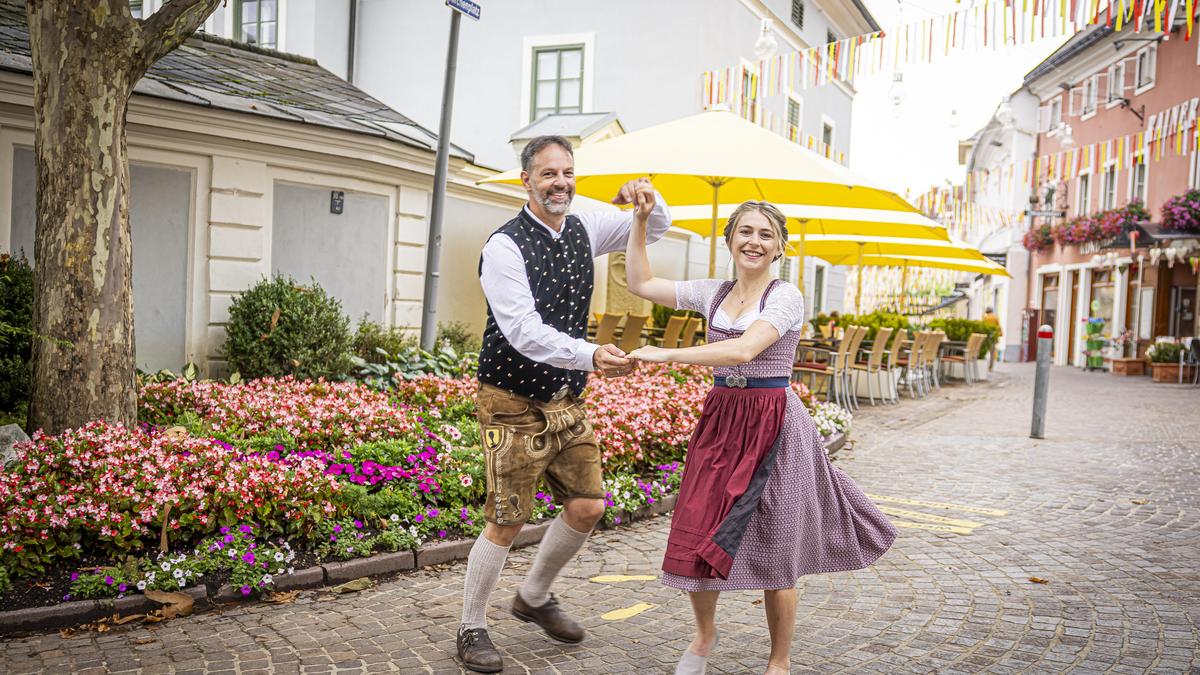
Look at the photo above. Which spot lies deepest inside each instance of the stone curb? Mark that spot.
(74, 613)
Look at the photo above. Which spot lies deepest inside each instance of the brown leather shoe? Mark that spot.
(477, 652)
(550, 617)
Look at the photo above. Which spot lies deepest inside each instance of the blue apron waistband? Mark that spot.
(739, 382)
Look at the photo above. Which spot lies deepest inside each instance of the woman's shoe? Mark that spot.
(694, 664)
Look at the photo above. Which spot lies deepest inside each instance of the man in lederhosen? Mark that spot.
(537, 274)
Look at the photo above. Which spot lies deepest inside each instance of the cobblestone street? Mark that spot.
(1105, 511)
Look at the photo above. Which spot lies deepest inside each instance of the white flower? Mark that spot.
(150, 577)
(394, 518)
(278, 556)
(267, 579)
(141, 585)
(166, 567)
(291, 570)
(178, 574)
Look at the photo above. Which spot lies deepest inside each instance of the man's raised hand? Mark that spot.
(629, 191)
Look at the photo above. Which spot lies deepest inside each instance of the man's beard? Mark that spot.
(551, 207)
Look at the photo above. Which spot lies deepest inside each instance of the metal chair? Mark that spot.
(631, 334)
(890, 365)
(833, 371)
(606, 327)
(910, 365)
(874, 364)
(967, 357)
(690, 330)
(1190, 357)
(670, 338)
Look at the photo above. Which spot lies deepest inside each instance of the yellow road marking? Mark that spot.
(932, 527)
(618, 578)
(939, 505)
(917, 515)
(622, 614)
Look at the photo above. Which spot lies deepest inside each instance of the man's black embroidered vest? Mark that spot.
(560, 273)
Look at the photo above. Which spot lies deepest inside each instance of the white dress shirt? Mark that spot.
(506, 285)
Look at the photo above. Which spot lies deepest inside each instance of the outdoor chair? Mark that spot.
(631, 334)
(832, 372)
(967, 357)
(670, 338)
(606, 327)
(910, 365)
(890, 365)
(933, 358)
(1191, 357)
(872, 368)
(855, 340)
(691, 329)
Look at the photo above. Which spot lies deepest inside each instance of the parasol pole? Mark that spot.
(858, 293)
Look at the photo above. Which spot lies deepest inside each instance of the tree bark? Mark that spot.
(87, 57)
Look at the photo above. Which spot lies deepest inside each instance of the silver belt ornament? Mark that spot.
(735, 380)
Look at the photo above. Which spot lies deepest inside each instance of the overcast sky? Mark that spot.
(920, 149)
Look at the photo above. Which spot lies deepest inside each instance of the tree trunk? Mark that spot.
(86, 59)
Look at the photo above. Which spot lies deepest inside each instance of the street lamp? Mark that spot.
(765, 46)
(1068, 137)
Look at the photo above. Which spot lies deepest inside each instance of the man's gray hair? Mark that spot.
(538, 144)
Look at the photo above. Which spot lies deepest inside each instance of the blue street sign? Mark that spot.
(467, 7)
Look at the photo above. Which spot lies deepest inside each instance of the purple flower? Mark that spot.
(245, 529)
(108, 580)
(434, 513)
(122, 588)
(358, 523)
(332, 537)
(346, 454)
(66, 597)
(420, 517)
(442, 534)
(74, 576)
(224, 530)
(617, 520)
(248, 558)
(337, 528)
(245, 590)
(273, 455)
(228, 539)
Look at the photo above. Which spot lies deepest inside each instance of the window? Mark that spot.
(1137, 183)
(793, 118)
(1145, 68)
(1108, 188)
(785, 269)
(135, 8)
(1056, 112)
(256, 22)
(798, 13)
(557, 80)
(830, 37)
(1089, 95)
(1116, 82)
(827, 137)
(1083, 195)
(818, 303)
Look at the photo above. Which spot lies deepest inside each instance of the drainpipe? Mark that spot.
(351, 40)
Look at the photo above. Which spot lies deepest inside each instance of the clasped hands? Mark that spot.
(612, 362)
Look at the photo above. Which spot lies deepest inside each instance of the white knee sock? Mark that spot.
(560, 544)
(483, 571)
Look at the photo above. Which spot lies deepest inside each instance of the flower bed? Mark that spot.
(1181, 213)
(244, 481)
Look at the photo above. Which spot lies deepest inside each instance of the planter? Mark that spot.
(1129, 367)
(1169, 372)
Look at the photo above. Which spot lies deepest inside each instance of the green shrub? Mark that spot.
(460, 337)
(411, 362)
(661, 314)
(280, 328)
(1164, 352)
(373, 342)
(16, 331)
(960, 330)
(874, 321)
(5, 582)
(821, 319)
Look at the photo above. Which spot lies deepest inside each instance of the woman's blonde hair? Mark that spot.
(772, 214)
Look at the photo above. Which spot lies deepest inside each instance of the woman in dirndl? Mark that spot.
(760, 505)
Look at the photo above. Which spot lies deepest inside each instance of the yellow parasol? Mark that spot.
(717, 157)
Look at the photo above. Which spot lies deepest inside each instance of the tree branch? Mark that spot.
(167, 28)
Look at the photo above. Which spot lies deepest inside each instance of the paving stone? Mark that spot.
(1123, 594)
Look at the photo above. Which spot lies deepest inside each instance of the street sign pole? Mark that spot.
(433, 246)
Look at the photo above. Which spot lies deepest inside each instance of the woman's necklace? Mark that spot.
(741, 302)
